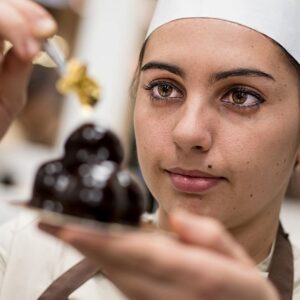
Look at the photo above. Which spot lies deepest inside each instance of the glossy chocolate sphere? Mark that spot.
(92, 144)
(87, 181)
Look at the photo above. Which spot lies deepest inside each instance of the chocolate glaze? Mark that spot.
(92, 144)
(87, 181)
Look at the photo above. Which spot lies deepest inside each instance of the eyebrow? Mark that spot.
(247, 72)
(163, 66)
(241, 72)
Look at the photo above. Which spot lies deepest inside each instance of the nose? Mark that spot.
(193, 131)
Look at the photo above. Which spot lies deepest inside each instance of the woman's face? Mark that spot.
(216, 120)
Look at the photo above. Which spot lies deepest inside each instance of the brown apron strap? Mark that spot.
(281, 271)
(70, 281)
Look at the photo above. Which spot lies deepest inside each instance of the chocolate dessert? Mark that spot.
(88, 182)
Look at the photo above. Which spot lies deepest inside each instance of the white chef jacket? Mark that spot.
(31, 260)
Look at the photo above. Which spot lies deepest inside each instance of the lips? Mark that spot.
(192, 181)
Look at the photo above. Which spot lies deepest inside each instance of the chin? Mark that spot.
(193, 203)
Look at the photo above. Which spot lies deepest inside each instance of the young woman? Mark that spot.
(217, 124)
(217, 121)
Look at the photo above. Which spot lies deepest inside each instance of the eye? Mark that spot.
(163, 90)
(241, 97)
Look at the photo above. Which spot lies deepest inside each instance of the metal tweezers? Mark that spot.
(56, 55)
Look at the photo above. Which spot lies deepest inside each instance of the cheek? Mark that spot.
(152, 141)
(146, 134)
(262, 158)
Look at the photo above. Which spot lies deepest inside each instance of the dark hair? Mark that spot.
(294, 63)
(292, 60)
(135, 80)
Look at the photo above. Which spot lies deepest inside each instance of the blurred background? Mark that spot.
(106, 35)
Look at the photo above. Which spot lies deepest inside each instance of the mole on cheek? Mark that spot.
(209, 166)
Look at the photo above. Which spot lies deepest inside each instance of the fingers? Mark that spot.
(42, 23)
(24, 24)
(14, 28)
(19, 25)
(153, 267)
(149, 253)
(138, 262)
(208, 233)
(136, 287)
(205, 233)
(14, 79)
(154, 255)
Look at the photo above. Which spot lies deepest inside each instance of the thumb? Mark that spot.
(207, 233)
(14, 77)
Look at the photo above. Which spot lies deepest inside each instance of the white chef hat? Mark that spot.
(278, 19)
